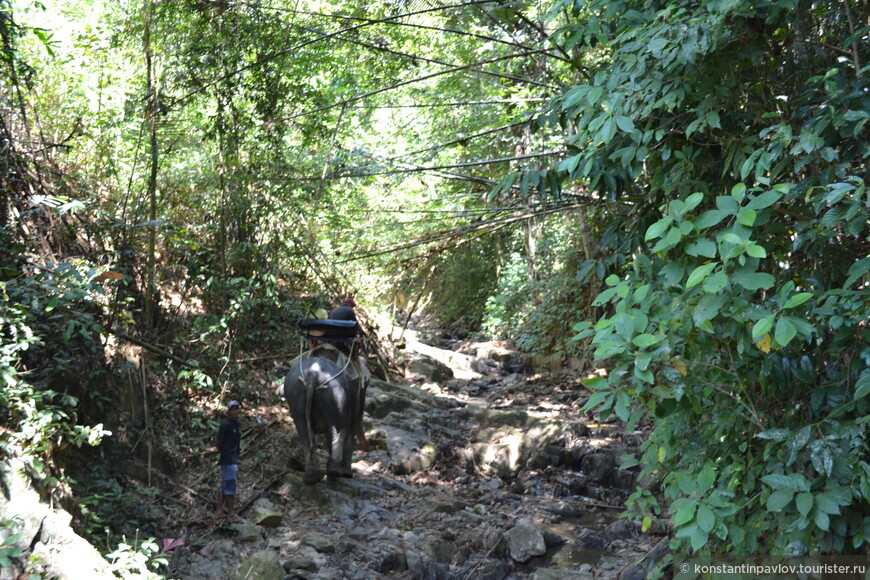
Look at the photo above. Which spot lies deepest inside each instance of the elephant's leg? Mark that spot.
(312, 469)
(336, 446)
(347, 455)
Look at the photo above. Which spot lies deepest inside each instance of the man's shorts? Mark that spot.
(229, 474)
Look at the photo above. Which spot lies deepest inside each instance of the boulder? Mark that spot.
(410, 451)
(525, 541)
(45, 532)
(266, 514)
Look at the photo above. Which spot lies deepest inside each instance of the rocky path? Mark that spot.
(489, 476)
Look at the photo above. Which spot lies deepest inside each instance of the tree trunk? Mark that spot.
(151, 120)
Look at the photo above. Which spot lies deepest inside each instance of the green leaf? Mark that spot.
(753, 250)
(746, 216)
(712, 118)
(685, 514)
(798, 299)
(706, 518)
(738, 192)
(702, 247)
(609, 349)
(856, 270)
(710, 218)
(699, 273)
(827, 503)
(862, 385)
(774, 435)
(699, 539)
(779, 499)
(822, 520)
(708, 307)
(692, 202)
(785, 331)
(640, 294)
(716, 282)
(625, 124)
(766, 199)
(706, 478)
(645, 340)
(779, 481)
(596, 399)
(658, 228)
(754, 280)
(804, 502)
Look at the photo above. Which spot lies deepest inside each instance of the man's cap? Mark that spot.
(349, 302)
(232, 404)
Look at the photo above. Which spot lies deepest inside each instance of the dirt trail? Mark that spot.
(492, 475)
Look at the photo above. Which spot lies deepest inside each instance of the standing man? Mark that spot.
(229, 445)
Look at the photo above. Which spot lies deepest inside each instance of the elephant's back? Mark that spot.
(320, 368)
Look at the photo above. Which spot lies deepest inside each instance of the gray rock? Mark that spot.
(306, 558)
(409, 451)
(621, 529)
(247, 532)
(525, 541)
(598, 467)
(556, 574)
(394, 561)
(267, 514)
(65, 554)
(429, 368)
(263, 565)
(320, 542)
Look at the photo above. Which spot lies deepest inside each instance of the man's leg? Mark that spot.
(230, 477)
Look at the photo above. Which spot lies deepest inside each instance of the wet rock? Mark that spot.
(263, 565)
(564, 509)
(591, 540)
(620, 530)
(598, 467)
(525, 541)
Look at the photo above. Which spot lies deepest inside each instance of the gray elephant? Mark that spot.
(325, 399)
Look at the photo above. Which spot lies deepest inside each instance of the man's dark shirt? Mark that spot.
(343, 313)
(229, 441)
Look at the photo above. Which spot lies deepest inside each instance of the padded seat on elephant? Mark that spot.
(330, 330)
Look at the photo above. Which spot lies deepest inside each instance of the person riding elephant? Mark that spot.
(345, 311)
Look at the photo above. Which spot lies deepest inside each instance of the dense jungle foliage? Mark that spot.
(677, 190)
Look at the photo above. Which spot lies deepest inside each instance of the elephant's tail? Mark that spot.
(311, 383)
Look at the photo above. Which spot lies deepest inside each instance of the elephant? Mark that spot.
(324, 399)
